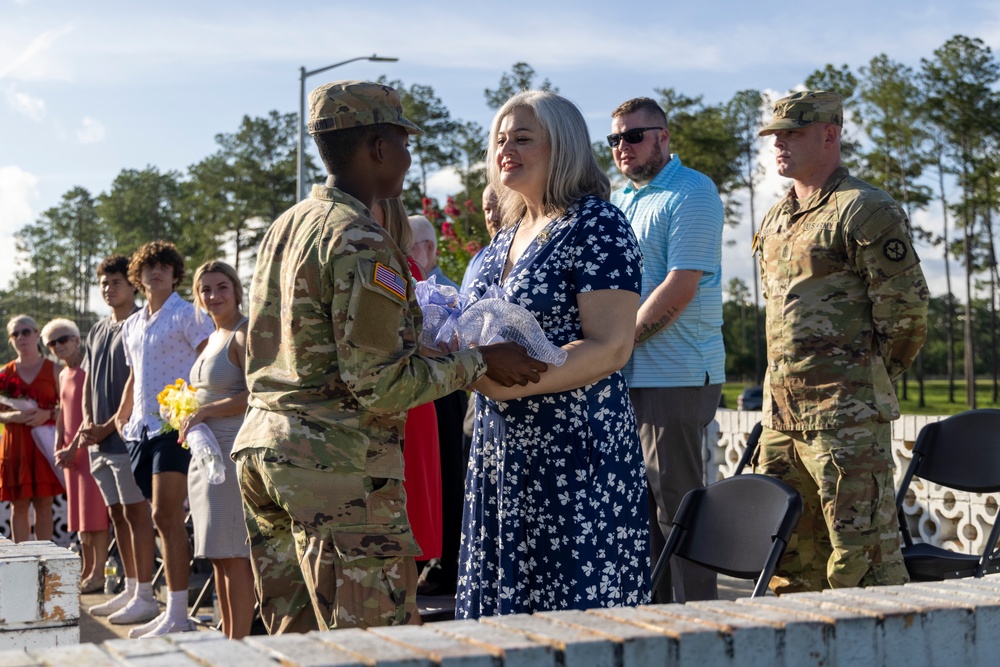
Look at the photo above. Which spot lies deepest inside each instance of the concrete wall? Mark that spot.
(917, 625)
(39, 595)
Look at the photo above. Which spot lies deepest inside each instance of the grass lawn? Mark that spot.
(935, 397)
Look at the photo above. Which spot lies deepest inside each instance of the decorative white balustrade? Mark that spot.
(955, 520)
(952, 519)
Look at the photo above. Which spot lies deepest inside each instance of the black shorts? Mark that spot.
(151, 456)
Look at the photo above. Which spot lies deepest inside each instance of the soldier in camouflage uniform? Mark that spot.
(332, 365)
(846, 315)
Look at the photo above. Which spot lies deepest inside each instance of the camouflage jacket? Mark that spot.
(846, 306)
(332, 351)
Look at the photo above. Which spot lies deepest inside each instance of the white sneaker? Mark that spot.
(136, 611)
(112, 605)
(166, 627)
(140, 630)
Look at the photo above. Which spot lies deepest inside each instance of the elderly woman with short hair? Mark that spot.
(87, 514)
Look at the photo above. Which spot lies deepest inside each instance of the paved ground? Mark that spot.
(96, 629)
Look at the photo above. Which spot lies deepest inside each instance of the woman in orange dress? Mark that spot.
(26, 479)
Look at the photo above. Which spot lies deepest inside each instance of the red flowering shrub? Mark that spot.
(461, 233)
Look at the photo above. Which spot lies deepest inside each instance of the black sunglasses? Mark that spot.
(632, 136)
(62, 340)
(23, 332)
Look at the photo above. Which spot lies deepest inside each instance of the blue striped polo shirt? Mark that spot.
(678, 219)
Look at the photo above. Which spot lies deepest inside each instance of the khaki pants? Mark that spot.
(329, 550)
(848, 535)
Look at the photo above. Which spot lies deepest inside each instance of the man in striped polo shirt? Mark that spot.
(676, 372)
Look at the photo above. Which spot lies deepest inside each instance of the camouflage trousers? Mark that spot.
(848, 535)
(329, 550)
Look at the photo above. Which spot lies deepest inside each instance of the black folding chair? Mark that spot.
(960, 452)
(738, 526)
(751, 447)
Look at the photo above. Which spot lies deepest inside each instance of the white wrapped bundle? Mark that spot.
(448, 316)
(205, 452)
(441, 305)
(44, 435)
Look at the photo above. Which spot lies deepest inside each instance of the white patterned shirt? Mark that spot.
(160, 348)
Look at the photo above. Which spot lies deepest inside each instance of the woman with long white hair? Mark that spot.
(555, 514)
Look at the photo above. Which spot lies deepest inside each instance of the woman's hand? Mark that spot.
(66, 457)
(14, 417)
(195, 417)
(36, 417)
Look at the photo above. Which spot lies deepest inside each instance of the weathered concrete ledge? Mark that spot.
(917, 625)
(39, 596)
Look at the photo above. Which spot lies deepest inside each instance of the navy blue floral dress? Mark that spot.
(555, 497)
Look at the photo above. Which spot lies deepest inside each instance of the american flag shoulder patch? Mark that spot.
(390, 280)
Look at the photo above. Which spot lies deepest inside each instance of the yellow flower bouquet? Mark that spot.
(177, 401)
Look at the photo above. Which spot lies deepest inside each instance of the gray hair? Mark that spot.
(423, 230)
(573, 169)
(59, 324)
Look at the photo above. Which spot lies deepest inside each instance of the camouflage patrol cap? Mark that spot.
(805, 108)
(344, 104)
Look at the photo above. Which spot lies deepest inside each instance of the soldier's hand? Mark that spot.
(508, 364)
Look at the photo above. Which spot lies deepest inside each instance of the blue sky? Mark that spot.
(87, 89)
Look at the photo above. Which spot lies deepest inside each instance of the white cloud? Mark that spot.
(443, 183)
(17, 190)
(91, 131)
(35, 60)
(24, 103)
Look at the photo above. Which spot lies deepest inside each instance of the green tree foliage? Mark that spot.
(702, 135)
(742, 347)
(520, 77)
(606, 161)
(961, 103)
(142, 206)
(841, 80)
(469, 145)
(462, 233)
(432, 150)
(745, 112)
(148, 205)
(940, 124)
(59, 253)
(239, 190)
(890, 101)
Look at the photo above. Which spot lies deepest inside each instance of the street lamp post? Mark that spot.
(300, 171)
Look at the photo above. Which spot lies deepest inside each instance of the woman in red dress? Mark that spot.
(421, 449)
(26, 479)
